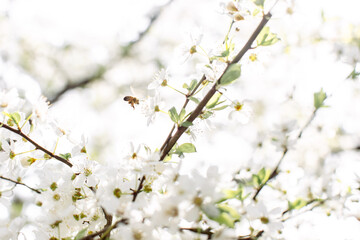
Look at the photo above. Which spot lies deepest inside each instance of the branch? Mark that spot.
(276, 169)
(207, 231)
(101, 70)
(37, 146)
(138, 190)
(20, 183)
(273, 174)
(169, 143)
(105, 231)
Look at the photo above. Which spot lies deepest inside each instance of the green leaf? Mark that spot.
(225, 53)
(262, 174)
(182, 114)
(259, 3)
(256, 12)
(213, 100)
(67, 156)
(186, 124)
(15, 117)
(231, 74)
(185, 86)
(220, 108)
(81, 234)
(319, 98)
(195, 100)
(186, 148)
(174, 115)
(297, 204)
(192, 84)
(232, 212)
(225, 219)
(266, 38)
(235, 194)
(353, 75)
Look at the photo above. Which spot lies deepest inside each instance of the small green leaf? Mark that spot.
(319, 98)
(266, 38)
(256, 11)
(192, 84)
(231, 74)
(232, 212)
(220, 108)
(259, 3)
(353, 75)
(16, 117)
(81, 234)
(297, 204)
(174, 115)
(225, 219)
(182, 114)
(67, 156)
(213, 100)
(186, 148)
(195, 100)
(185, 86)
(225, 53)
(186, 124)
(262, 174)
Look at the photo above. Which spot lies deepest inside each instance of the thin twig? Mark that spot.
(37, 146)
(101, 71)
(20, 183)
(276, 169)
(171, 142)
(106, 230)
(207, 231)
(273, 174)
(138, 190)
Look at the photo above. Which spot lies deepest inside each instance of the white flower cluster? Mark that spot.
(143, 197)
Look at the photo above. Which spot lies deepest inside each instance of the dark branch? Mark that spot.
(273, 174)
(138, 190)
(102, 70)
(171, 142)
(20, 183)
(105, 230)
(37, 146)
(207, 231)
(276, 169)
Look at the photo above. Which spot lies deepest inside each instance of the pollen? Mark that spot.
(193, 49)
(238, 106)
(157, 109)
(164, 83)
(253, 57)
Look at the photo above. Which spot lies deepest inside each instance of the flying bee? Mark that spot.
(131, 100)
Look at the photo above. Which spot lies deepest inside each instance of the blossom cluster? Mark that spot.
(300, 176)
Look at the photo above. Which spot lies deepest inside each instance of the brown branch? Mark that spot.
(37, 146)
(276, 169)
(249, 237)
(138, 190)
(273, 174)
(20, 183)
(105, 230)
(198, 110)
(207, 231)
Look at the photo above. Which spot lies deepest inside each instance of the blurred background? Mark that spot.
(86, 56)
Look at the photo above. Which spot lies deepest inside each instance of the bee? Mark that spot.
(131, 100)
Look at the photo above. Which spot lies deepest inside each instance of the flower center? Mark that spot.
(193, 49)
